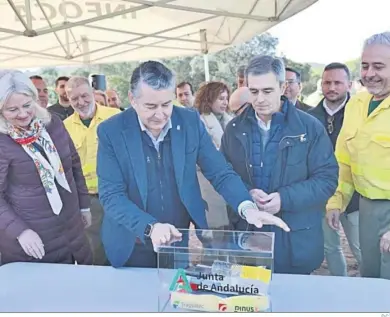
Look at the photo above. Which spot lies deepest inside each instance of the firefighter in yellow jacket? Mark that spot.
(363, 153)
(82, 127)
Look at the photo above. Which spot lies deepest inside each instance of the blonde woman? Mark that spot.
(44, 203)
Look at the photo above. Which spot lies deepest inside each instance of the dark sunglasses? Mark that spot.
(242, 107)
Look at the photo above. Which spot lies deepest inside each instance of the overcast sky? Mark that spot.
(332, 30)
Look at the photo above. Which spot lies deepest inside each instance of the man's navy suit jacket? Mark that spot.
(122, 177)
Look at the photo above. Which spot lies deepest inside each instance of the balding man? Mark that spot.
(239, 100)
(113, 99)
(43, 92)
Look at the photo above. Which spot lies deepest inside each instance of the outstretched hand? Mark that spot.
(260, 218)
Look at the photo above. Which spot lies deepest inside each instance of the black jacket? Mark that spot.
(302, 106)
(60, 111)
(337, 122)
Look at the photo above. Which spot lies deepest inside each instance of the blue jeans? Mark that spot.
(333, 251)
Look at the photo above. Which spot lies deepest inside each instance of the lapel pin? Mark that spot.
(178, 128)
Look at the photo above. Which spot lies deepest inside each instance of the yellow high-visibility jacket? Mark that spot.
(86, 142)
(363, 152)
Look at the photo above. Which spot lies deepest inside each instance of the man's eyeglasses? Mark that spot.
(330, 126)
(292, 81)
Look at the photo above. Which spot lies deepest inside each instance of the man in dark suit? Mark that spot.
(294, 89)
(146, 166)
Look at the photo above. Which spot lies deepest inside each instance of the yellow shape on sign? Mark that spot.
(256, 273)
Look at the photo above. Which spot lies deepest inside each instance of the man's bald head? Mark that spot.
(113, 98)
(239, 100)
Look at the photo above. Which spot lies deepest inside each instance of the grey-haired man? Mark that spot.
(363, 153)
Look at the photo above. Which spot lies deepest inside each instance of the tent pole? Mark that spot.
(28, 15)
(205, 51)
(85, 48)
(206, 67)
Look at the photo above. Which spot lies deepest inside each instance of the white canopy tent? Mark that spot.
(42, 33)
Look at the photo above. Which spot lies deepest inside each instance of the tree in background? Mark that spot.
(308, 78)
(354, 68)
(230, 59)
(223, 66)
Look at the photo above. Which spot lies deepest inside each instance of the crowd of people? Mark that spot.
(88, 181)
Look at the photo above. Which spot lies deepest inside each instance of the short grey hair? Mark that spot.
(378, 39)
(265, 64)
(76, 81)
(155, 74)
(16, 82)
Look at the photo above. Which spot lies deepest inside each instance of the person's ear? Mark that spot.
(131, 98)
(283, 87)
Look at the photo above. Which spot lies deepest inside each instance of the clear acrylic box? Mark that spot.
(216, 271)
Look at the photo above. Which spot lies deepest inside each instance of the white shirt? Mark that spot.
(156, 142)
(332, 112)
(162, 135)
(264, 126)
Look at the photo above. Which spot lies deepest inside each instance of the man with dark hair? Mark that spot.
(241, 76)
(185, 94)
(336, 85)
(287, 162)
(294, 89)
(62, 108)
(43, 92)
(146, 167)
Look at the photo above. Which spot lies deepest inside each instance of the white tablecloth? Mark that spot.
(74, 288)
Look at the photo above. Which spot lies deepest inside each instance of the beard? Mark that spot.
(88, 112)
(337, 98)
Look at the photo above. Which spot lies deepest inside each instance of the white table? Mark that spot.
(26, 287)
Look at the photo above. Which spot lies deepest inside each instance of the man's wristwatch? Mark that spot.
(148, 229)
(244, 206)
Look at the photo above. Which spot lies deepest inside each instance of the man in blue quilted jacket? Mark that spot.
(286, 160)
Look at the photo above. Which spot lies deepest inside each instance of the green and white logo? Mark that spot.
(180, 283)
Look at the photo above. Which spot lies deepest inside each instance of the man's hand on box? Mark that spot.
(164, 234)
(260, 218)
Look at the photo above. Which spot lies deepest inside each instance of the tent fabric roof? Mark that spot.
(38, 33)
